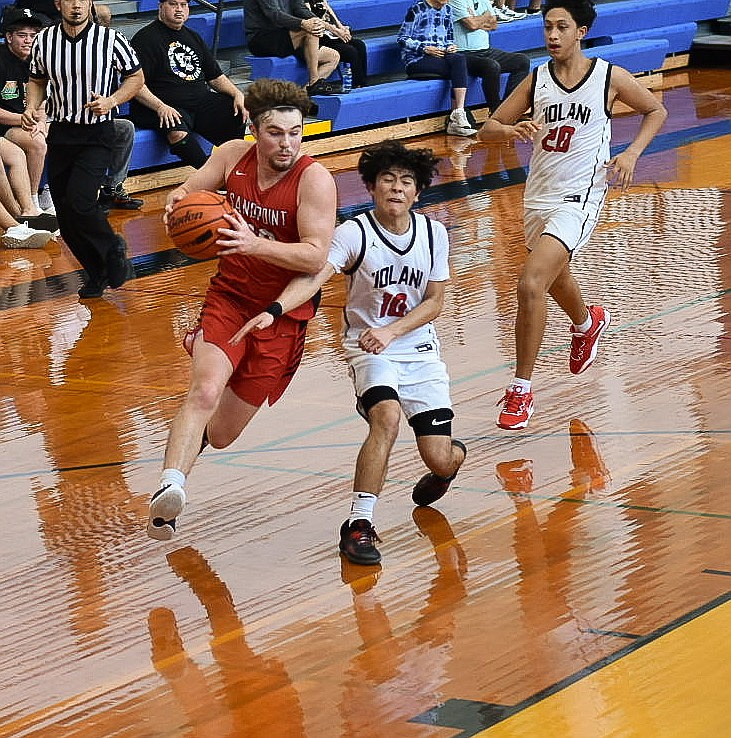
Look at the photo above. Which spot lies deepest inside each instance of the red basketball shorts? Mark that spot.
(265, 361)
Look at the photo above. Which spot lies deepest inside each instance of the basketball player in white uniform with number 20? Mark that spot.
(571, 98)
(395, 263)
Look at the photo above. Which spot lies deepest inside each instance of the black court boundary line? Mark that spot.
(146, 265)
(496, 713)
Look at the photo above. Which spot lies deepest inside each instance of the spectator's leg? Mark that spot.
(360, 65)
(353, 53)
(124, 138)
(214, 119)
(516, 65)
(14, 159)
(7, 198)
(457, 69)
(35, 154)
(479, 64)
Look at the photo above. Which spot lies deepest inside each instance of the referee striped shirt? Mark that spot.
(77, 66)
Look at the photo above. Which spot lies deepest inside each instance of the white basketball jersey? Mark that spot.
(387, 277)
(572, 147)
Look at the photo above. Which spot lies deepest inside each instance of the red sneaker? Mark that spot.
(584, 345)
(517, 409)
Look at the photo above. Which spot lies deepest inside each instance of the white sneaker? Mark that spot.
(503, 14)
(166, 504)
(22, 237)
(45, 201)
(459, 125)
(514, 14)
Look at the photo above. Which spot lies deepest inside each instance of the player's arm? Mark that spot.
(625, 88)
(502, 126)
(212, 175)
(315, 222)
(376, 340)
(299, 290)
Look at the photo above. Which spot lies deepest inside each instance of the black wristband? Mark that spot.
(275, 309)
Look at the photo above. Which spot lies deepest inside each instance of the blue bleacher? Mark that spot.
(421, 97)
(635, 34)
(231, 35)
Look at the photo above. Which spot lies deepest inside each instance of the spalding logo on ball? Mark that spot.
(194, 221)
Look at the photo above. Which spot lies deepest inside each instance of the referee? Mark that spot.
(76, 64)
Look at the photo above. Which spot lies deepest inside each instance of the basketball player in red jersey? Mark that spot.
(285, 215)
(571, 98)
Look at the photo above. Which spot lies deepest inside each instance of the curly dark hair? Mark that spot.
(582, 11)
(393, 154)
(267, 94)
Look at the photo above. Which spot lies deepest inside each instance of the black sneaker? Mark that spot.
(42, 222)
(323, 87)
(358, 542)
(432, 487)
(93, 288)
(119, 267)
(117, 197)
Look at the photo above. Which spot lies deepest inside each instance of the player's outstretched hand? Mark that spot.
(257, 323)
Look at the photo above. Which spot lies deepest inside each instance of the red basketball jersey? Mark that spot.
(272, 213)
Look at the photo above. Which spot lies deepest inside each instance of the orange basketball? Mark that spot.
(194, 221)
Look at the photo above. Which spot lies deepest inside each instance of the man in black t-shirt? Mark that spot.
(177, 97)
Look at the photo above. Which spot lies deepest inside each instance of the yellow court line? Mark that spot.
(674, 687)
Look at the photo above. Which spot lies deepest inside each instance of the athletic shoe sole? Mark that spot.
(166, 504)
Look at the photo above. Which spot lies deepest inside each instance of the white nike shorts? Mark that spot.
(570, 224)
(421, 385)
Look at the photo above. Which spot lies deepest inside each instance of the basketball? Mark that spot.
(194, 221)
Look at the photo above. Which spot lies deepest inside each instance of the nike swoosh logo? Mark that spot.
(240, 174)
(439, 422)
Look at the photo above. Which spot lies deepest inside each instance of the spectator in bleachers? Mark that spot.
(112, 193)
(20, 28)
(185, 89)
(339, 37)
(49, 14)
(46, 10)
(426, 38)
(289, 28)
(473, 21)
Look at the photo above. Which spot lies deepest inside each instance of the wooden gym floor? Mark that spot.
(575, 581)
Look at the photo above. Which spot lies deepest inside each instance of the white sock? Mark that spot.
(523, 384)
(172, 476)
(361, 508)
(584, 327)
(34, 199)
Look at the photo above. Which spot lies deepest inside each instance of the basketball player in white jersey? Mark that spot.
(395, 262)
(571, 99)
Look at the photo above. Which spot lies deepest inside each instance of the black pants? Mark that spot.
(489, 64)
(78, 157)
(354, 53)
(212, 117)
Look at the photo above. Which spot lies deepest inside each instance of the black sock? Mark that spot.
(189, 151)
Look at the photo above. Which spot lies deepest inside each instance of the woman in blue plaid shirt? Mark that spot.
(426, 38)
